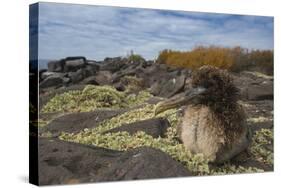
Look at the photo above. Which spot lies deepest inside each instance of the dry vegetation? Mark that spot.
(234, 59)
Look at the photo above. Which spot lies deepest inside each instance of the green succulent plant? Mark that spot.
(93, 97)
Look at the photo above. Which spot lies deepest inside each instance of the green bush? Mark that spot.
(136, 58)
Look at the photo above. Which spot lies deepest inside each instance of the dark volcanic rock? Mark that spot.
(77, 76)
(168, 88)
(254, 87)
(113, 64)
(155, 127)
(259, 108)
(56, 66)
(104, 78)
(90, 80)
(92, 69)
(49, 116)
(143, 163)
(260, 125)
(119, 86)
(73, 64)
(244, 159)
(154, 100)
(68, 163)
(51, 81)
(75, 58)
(75, 122)
(263, 91)
(135, 84)
(46, 74)
(66, 81)
(117, 76)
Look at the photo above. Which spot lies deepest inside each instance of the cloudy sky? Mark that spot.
(97, 32)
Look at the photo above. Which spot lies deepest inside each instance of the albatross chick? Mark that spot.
(213, 123)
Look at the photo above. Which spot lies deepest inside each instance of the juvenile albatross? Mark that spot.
(213, 122)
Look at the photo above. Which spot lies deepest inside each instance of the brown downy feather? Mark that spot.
(221, 96)
(214, 123)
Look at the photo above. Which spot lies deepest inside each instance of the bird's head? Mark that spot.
(210, 86)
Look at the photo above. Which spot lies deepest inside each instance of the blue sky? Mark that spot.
(97, 32)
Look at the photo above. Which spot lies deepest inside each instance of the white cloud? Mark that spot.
(98, 32)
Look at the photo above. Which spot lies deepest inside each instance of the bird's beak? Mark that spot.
(178, 101)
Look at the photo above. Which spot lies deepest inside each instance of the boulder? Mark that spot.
(168, 88)
(47, 74)
(256, 75)
(152, 69)
(113, 64)
(92, 69)
(66, 81)
(260, 108)
(262, 91)
(75, 58)
(154, 100)
(74, 64)
(135, 84)
(112, 59)
(160, 74)
(51, 81)
(104, 78)
(245, 160)
(75, 122)
(56, 66)
(119, 86)
(256, 126)
(77, 76)
(122, 73)
(63, 162)
(90, 80)
(248, 162)
(168, 68)
(155, 127)
(186, 72)
(254, 87)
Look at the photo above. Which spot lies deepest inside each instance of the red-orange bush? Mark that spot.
(234, 59)
(216, 56)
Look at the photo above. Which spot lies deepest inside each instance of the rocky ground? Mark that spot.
(97, 123)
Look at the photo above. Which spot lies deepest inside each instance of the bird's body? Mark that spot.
(212, 123)
(201, 132)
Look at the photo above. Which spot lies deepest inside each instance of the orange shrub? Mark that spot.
(234, 59)
(216, 56)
